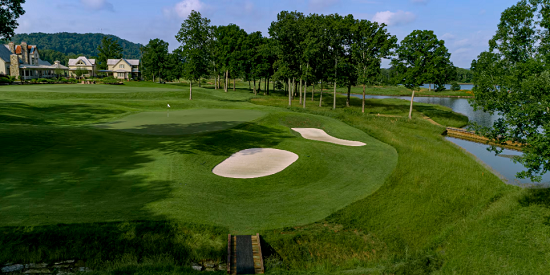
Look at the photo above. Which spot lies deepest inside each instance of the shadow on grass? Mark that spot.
(113, 245)
(19, 113)
(536, 197)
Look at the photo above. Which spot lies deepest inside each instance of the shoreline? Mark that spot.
(416, 95)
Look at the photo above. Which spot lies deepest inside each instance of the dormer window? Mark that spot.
(80, 63)
(121, 66)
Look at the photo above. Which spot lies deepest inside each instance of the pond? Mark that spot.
(468, 87)
(503, 164)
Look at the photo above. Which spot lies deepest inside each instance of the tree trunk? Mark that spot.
(218, 82)
(190, 90)
(268, 83)
(312, 90)
(321, 96)
(249, 84)
(254, 86)
(289, 94)
(430, 87)
(363, 105)
(199, 83)
(260, 84)
(335, 76)
(349, 93)
(300, 102)
(265, 85)
(226, 86)
(294, 87)
(305, 93)
(411, 110)
(233, 84)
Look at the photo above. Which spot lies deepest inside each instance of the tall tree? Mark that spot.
(373, 42)
(512, 79)
(109, 49)
(229, 41)
(155, 57)
(194, 36)
(10, 10)
(421, 56)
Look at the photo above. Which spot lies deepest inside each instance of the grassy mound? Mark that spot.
(182, 122)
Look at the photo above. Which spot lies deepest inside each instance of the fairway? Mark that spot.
(182, 122)
(162, 170)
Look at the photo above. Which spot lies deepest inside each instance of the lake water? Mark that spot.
(448, 86)
(503, 164)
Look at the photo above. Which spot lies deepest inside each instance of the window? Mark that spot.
(121, 66)
(120, 74)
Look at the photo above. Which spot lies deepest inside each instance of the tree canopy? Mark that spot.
(512, 80)
(10, 10)
(109, 49)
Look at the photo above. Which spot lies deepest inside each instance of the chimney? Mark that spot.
(25, 52)
(12, 47)
(56, 62)
(14, 65)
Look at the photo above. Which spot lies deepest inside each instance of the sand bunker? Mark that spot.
(320, 135)
(255, 163)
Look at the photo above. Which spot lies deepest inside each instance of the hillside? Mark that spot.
(71, 44)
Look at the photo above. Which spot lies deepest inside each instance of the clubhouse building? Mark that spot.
(23, 61)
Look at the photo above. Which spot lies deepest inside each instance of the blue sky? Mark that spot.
(465, 25)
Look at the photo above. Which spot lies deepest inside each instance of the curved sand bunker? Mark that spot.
(320, 135)
(255, 163)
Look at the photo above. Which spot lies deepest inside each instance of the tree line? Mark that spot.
(335, 50)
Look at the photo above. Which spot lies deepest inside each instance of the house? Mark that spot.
(23, 61)
(82, 63)
(124, 68)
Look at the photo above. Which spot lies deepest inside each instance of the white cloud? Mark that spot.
(394, 18)
(448, 36)
(423, 2)
(183, 9)
(97, 4)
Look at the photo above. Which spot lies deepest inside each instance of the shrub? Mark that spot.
(111, 81)
(455, 86)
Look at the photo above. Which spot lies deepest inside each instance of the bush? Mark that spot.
(111, 81)
(5, 80)
(455, 86)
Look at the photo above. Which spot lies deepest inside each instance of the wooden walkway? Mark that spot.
(244, 255)
(471, 136)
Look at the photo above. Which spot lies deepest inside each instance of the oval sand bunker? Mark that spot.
(320, 135)
(255, 163)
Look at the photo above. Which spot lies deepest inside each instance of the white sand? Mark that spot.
(255, 163)
(320, 135)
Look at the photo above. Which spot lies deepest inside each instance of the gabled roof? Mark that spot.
(18, 49)
(86, 61)
(43, 62)
(5, 54)
(133, 62)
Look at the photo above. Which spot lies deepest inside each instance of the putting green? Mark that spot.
(183, 122)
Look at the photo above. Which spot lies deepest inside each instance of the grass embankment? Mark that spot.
(439, 211)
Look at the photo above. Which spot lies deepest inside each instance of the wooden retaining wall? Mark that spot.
(471, 136)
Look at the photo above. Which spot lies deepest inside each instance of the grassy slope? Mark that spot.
(440, 211)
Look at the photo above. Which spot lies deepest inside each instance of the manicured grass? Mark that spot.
(438, 211)
(182, 122)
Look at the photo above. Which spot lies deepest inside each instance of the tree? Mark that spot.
(109, 49)
(155, 58)
(421, 57)
(194, 36)
(10, 10)
(373, 42)
(79, 72)
(512, 79)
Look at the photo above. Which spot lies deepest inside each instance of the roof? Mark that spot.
(5, 54)
(88, 62)
(43, 62)
(59, 66)
(133, 62)
(18, 49)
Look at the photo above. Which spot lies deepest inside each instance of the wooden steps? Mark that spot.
(257, 258)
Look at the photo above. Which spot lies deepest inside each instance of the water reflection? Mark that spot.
(468, 87)
(502, 164)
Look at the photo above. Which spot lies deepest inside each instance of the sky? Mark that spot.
(465, 25)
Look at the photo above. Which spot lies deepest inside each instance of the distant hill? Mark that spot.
(71, 44)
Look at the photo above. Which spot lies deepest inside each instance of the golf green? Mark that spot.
(183, 122)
